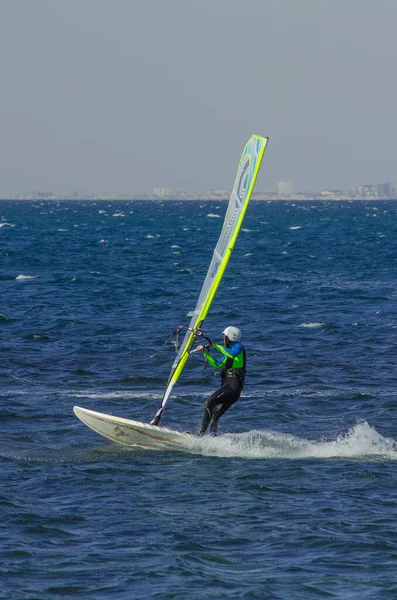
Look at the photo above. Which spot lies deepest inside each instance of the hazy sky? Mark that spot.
(120, 96)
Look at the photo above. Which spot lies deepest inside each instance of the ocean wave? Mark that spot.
(361, 442)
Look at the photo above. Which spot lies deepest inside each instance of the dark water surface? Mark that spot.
(296, 499)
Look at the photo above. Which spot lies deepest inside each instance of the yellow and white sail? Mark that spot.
(247, 173)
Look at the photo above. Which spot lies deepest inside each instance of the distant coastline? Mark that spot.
(198, 198)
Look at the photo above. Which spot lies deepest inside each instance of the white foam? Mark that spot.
(296, 227)
(361, 442)
(214, 216)
(116, 394)
(23, 277)
(311, 325)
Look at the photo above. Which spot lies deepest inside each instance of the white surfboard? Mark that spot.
(134, 433)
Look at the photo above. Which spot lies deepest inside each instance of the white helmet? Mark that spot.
(233, 333)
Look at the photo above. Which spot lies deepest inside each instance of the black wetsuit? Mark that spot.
(233, 364)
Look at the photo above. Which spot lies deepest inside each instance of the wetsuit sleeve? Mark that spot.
(227, 353)
(216, 364)
(230, 352)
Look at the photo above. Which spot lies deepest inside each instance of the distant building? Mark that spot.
(40, 194)
(379, 190)
(161, 191)
(221, 194)
(367, 190)
(284, 188)
(384, 190)
(337, 193)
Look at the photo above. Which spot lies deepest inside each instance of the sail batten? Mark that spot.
(247, 172)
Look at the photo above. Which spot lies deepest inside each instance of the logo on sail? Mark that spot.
(242, 182)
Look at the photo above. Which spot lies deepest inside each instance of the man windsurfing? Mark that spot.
(233, 368)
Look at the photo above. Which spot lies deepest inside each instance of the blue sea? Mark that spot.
(296, 498)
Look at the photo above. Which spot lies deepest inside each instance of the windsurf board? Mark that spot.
(134, 433)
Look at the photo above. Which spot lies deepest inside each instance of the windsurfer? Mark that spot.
(233, 365)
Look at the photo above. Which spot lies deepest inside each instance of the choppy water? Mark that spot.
(296, 499)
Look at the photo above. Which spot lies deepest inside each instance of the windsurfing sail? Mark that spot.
(247, 173)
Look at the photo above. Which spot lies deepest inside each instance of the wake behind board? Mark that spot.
(134, 433)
